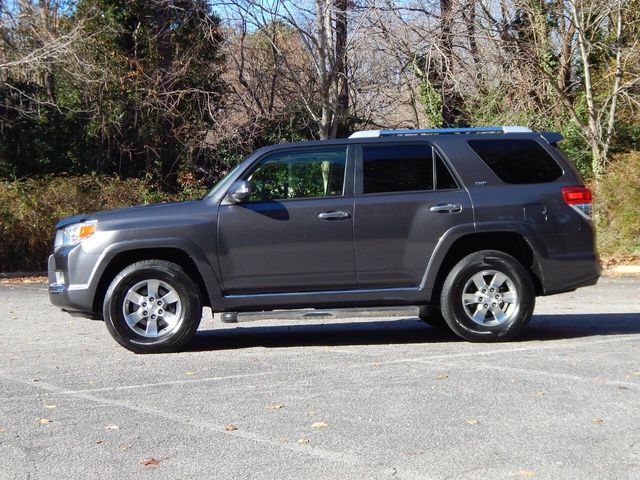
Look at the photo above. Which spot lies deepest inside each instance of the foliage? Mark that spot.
(136, 96)
(432, 101)
(29, 210)
(167, 96)
(617, 199)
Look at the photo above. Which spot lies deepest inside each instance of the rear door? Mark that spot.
(295, 233)
(407, 197)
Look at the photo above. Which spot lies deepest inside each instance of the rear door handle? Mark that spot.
(334, 215)
(446, 208)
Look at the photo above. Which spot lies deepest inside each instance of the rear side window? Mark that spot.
(397, 168)
(517, 161)
(403, 168)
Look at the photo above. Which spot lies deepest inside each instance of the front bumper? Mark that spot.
(71, 281)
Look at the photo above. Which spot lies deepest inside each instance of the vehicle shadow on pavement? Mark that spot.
(403, 331)
(566, 326)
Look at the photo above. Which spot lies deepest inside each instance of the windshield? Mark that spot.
(218, 185)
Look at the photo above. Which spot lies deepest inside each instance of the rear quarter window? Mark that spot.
(517, 161)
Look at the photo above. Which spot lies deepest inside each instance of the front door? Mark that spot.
(295, 233)
(407, 199)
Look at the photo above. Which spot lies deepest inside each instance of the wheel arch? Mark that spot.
(510, 242)
(125, 258)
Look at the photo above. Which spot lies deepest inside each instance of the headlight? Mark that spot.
(74, 234)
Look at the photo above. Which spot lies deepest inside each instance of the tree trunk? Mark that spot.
(593, 124)
(469, 17)
(446, 45)
(169, 165)
(339, 122)
(323, 62)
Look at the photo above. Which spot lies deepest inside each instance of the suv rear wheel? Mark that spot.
(152, 306)
(488, 296)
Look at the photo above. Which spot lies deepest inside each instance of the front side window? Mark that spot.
(299, 174)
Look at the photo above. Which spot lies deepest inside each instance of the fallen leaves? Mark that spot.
(44, 421)
(415, 452)
(112, 427)
(50, 407)
(150, 461)
(442, 376)
(526, 473)
(538, 394)
(473, 421)
(319, 425)
(276, 406)
(23, 280)
(231, 427)
(190, 373)
(303, 441)
(598, 420)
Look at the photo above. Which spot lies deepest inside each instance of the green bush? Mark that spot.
(29, 210)
(617, 200)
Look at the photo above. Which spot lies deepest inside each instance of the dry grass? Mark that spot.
(29, 210)
(617, 204)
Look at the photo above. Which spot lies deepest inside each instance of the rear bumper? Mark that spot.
(568, 272)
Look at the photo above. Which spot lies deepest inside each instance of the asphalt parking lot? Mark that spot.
(325, 398)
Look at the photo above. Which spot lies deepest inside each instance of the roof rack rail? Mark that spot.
(438, 131)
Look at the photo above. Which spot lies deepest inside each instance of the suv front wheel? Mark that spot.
(488, 296)
(152, 306)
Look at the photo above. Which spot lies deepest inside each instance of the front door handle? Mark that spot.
(446, 208)
(334, 215)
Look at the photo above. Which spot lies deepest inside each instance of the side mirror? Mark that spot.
(239, 191)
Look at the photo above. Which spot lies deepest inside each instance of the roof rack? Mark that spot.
(438, 131)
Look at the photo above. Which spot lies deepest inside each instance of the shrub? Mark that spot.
(29, 210)
(617, 200)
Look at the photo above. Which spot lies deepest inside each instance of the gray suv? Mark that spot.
(469, 224)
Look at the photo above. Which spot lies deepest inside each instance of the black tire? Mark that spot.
(433, 317)
(497, 318)
(174, 326)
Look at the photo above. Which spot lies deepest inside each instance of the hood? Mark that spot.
(155, 210)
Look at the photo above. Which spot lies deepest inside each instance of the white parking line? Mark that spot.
(506, 350)
(422, 359)
(547, 374)
(314, 451)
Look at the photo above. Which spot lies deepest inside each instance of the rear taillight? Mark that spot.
(578, 198)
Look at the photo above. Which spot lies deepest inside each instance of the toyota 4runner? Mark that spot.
(469, 224)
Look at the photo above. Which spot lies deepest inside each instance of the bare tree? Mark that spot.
(321, 27)
(590, 52)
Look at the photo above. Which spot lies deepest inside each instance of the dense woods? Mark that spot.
(167, 95)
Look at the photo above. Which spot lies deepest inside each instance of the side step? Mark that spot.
(317, 314)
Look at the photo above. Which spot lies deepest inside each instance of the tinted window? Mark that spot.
(301, 174)
(444, 179)
(517, 161)
(397, 168)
